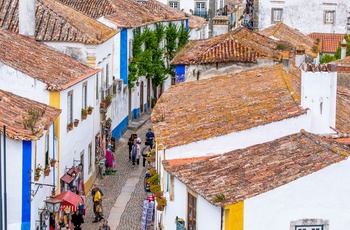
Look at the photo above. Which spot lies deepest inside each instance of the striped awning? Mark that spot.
(68, 208)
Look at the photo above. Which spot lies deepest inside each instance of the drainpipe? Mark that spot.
(343, 49)
(1, 183)
(5, 191)
(222, 218)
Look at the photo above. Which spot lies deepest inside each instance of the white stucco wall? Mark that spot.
(209, 70)
(238, 140)
(308, 18)
(72, 143)
(323, 195)
(75, 50)
(208, 216)
(22, 85)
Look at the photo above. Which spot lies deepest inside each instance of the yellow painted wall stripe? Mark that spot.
(55, 101)
(234, 216)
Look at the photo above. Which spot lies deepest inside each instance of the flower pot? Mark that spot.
(47, 172)
(83, 116)
(36, 178)
(89, 112)
(70, 127)
(76, 123)
(160, 207)
(52, 163)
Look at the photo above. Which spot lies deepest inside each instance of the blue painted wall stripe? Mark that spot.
(136, 113)
(186, 24)
(118, 131)
(124, 55)
(26, 167)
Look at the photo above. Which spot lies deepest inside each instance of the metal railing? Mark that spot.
(201, 13)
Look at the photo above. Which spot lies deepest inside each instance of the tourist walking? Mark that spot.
(149, 138)
(77, 220)
(97, 205)
(130, 144)
(135, 153)
(105, 226)
(144, 151)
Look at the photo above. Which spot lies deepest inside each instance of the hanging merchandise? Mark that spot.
(147, 214)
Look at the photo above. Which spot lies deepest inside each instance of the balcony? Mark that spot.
(201, 13)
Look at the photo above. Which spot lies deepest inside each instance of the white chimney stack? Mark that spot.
(26, 14)
(318, 94)
(343, 49)
(299, 56)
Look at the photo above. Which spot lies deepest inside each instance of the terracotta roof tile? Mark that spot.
(241, 45)
(194, 111)
(38, 61)
(285, 33)
(14, 113)
(329, 42)
(56, 22)
(245, 173)
(182, 161)
(130, 13)
(343, 62)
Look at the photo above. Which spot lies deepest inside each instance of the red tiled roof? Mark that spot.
(329, 42)
(285, 33)
(130, 13)
(245, 173)
(182, 161)
(343, 62)
(15, 115)
(38, 61)
(56, 22)
(241, 45)
(194, 111)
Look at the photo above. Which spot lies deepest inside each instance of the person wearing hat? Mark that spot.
(105, 226)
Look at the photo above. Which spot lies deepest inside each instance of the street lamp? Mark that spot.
(53, 204)
(137, 83)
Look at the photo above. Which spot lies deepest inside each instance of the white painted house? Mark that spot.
(329, 16)
(28, 143)
(35, 71)
(218, 115)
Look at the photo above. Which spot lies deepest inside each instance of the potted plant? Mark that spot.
(76, 122)
(161, 203)
(70, 126)
(38, 168)
(53, 162)
(37, 176)
(109, 97)
(83, 114)
(89, 110)
(47, 170)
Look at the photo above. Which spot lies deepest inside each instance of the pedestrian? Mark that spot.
(97, 206)
(75, 190)
(105, 226)
(77, 220)
(135, 153)
(93, 191)
(138, 139)
(150, 138)
(144, 151)
(82, 204)
(130, 144)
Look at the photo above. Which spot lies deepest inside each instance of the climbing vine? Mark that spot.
(150, 58)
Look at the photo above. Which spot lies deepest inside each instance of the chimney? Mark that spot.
(285, 61)
(318, 94)
(300, 56)
(26, 14)
(343, 49)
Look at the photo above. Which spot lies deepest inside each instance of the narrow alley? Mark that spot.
(123, 192)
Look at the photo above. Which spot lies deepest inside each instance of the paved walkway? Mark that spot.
(123, 192)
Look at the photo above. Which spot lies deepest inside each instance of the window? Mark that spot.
(329, 16)
(90, 156)
(102, 83)
(310, 224)
(174, 5)
(276, 15)
(70, 107)
(200, 6)
(191, 211)
(47, 147)
(97, 87)
(84, 105)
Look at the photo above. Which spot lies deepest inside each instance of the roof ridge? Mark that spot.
(294, 95)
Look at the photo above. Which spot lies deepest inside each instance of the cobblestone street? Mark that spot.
(112, 186)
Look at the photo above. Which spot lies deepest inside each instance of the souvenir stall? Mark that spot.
(147, 214)
(70, 203)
